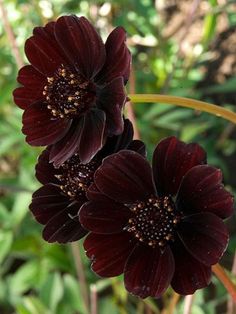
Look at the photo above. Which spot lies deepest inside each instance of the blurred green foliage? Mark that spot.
(172, 44)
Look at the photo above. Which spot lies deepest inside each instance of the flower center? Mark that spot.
(75, 178)
(68, 94)
(155, 221)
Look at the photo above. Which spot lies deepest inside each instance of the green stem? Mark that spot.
(185, 102)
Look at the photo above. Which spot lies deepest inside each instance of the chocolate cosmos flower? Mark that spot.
(158, 226)
(73, 91)
(57, 202)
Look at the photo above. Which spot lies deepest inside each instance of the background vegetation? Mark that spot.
(179, 47)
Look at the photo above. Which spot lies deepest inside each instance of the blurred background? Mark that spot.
(179, 47)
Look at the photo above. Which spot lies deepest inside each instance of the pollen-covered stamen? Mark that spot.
(75, 178)
(154, 221)
(68, 94)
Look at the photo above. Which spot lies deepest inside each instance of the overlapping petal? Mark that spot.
(202, 191)
(108, 253)
(104, 217)
(125, 177)
(39, 127)
(190, 274)
(148, 272)
(81, 44)
(205, 236)
(171, 161)
(118, 58)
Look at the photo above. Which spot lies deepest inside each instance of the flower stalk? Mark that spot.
(226, 281)
(185, 102)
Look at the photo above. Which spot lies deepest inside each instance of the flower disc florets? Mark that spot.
(155, 221)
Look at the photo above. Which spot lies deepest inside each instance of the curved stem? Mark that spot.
(185, 102)
(223, 277)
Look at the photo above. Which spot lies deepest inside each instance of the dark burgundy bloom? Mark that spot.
(161, 225)
(73, 91)
(57, 202)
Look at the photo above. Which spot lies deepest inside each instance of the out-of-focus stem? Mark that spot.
(10, 36)
(223, 277)
(185, 102)
(93, 299)
(129, 106)
(80, 273)
(188, 302)
(173, 302)
(231, 307)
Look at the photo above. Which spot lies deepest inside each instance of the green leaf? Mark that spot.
(52, 291)
(6, 239)
(72, 294)
(31, 305)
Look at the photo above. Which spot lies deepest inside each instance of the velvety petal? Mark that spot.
(43, 54)
(24, 97)
(149, 271)
(125, 177)
(139, 147)
(104, 217)
(189, 274)
(205, 236)
(111, 100)
(117, 142)
(202, 191)
(45, 171)
(48, 201)
(171, 161)
(92, 135)
(31, 78)
(68, 145)
(108, 253)
(65, 226)
(94, 194)
(118, 57)
(39, 126)
(81, 44)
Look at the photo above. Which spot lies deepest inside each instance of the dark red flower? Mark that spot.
(73, 91)
(158, 226)
(57, 202)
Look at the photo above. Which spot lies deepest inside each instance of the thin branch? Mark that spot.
(188, 302)
(185, 102)
(80, 273)
(10, 35)
(223, 277)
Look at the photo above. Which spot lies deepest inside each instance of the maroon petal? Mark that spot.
(65, 227)
(111, 100)
(202, 191)
(81, 44)
(149, 271)
(45, 171)
(24, 97)
(43, 54)
(125, 177)
(205, 236)
(171, 161)
(39, 127)
(104, 217)
(118, 57)
(108, 253)
(31, 78)
(189, 274)
(48, 201)
(139, 147)
(92, 136)
(68, 145)
(93, 194)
